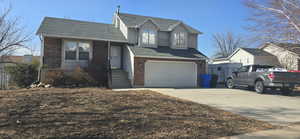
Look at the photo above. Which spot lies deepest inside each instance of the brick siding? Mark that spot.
(52, 52)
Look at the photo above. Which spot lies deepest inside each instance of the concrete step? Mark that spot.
(120, 79)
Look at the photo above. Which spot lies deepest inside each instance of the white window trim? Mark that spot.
(182, 44)
(148, 34)
(77, 51)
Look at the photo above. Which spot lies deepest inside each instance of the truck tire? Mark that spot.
(259, 87)
(230, 84)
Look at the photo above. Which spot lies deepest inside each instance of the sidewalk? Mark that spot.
(291, 132)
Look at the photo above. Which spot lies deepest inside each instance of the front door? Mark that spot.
(115, 57)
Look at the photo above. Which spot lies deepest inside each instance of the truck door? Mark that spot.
(242, 75)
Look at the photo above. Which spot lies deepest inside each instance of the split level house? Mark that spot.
(133, 51)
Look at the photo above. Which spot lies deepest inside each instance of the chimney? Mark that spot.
(118, 9)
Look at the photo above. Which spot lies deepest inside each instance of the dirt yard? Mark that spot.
(92, 113)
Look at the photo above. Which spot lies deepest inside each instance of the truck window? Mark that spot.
(261, 68)
(244, 69)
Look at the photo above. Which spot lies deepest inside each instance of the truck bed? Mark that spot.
(286, 77)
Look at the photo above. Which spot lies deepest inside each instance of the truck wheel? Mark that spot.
(230, 84)
(286, 91)
(259, 87)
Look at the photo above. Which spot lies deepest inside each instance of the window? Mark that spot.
(84, 49)
(76, 50)
(148, 37)
(244, 69)
(179, 39)
(70, 50)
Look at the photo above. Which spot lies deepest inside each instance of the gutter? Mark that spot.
(166, 57)
(84, 38)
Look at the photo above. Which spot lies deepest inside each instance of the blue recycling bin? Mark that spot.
(205, 80)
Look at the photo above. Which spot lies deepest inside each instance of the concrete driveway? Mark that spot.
(276, 109)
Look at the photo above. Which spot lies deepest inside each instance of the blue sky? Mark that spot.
(208, 16)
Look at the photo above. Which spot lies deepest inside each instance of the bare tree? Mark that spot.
(12, 36)
(275, 20)
(226, 44)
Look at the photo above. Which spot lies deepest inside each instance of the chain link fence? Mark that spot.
(4, 79)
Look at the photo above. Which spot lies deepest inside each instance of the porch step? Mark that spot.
(120, 79)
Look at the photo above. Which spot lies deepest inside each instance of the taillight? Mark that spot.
(271, 75)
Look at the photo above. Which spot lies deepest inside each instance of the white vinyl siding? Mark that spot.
(128, 61)
(163, 38)
(285, 58)
(193, 41)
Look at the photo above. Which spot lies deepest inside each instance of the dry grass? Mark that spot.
(93, 113)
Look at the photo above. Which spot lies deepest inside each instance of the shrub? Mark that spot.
(78, 77)
(23, 75)
(55, 78)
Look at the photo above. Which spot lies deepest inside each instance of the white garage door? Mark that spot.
(170, 74)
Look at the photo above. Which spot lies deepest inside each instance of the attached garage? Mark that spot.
(170, 74)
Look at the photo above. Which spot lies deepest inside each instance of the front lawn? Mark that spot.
(92, 113)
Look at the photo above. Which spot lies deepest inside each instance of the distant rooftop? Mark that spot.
(295, 48)
(18, 59)
(257, 52)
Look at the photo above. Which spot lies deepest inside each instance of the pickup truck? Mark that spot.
(261, 77)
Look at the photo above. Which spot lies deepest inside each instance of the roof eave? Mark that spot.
(167, 57)
(85, 38)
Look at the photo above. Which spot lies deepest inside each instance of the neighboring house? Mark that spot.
(249, 56)
(142, 51)
(287, 54)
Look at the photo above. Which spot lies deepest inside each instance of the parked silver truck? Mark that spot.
(261, 77)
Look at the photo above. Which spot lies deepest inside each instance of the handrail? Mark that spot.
(109, 75)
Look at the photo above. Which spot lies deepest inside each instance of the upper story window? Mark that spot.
(179, 39)
(77, 50)
(148, 37)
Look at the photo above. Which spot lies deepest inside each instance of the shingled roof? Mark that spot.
(167, 52)
(257, 52)
(131, 20)
(80, 29)
(295, 48)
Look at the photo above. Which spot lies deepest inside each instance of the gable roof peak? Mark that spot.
(148, 19)
(164, 24)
